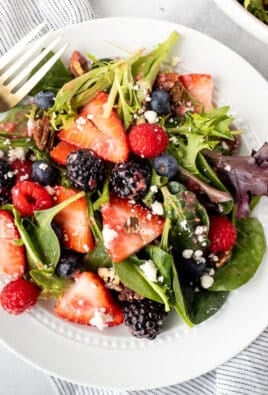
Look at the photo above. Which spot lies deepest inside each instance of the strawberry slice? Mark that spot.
(60, 152)
(73, 221)
(200, 86)
(13, 259)
(105, 136)
(127, 227)
(88, 302)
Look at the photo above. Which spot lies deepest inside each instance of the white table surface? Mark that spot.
(17, 377)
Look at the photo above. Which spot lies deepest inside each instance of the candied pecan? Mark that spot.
(78, 64)
(43, 135)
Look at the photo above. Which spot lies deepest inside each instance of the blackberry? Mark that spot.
(144, 318)
(7, 176)
(85, 170)
(5, 196)
(131, 179)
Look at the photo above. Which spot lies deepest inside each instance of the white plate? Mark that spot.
(112, 358)
(244, 18)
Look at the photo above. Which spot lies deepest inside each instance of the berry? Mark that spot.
(166, 165)
(69, 262)
(144, 318)
(89, 302)
(28, 196)
(18, 296)
(128, 227)
(22, 169)
(192, 270)
(85, 170)
(73, 221)
(13, 259)
(106, 136)
(61, 151)
(130, 179)
(5, 196)
(222, 234)
(160, 102)
(44, 173)
(200, 86)
(148, 140)
(44, 99)
(7, 176)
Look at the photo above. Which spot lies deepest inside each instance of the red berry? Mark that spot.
(18, 295)
(28, 196)
(22, 169)
(148, 140)
(222, 234)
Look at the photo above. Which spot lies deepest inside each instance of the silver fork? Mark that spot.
(17, 64)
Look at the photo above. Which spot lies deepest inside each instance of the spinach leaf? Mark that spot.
(185, 213)
(33, 255)
(55, 78)
(43, 234)
(132, 276)
(246, 256)
(205, 304)
(51, 285)
(166, 266)
(98, 257)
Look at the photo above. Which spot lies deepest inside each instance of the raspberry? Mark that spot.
(18, 295)
(222, 234)
(28, 196)
(148, 140)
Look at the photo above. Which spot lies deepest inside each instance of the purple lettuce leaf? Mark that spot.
(248, 175)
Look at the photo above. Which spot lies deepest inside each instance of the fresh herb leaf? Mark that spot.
(246, 256)
(98, 257)
(259, 8)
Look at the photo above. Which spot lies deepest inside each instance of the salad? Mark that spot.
(259, 8)
(123, 197)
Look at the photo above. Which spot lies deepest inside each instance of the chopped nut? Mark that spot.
(78, 65)
(223, 258)
(111, 280)
(127, 295)
(43, 135)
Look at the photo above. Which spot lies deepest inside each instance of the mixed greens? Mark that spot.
(259, 8)
(210, 180)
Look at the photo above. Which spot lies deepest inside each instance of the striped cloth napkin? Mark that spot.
(245, 374)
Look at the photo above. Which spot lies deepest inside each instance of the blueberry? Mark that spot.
(160, 102)
(69, 262)
(165, 165)
(44, 99)
(44, 173)
(192, 271)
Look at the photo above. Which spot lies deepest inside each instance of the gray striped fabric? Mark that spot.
(247, 373)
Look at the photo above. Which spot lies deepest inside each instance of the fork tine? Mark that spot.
(25, 89)
(5, 59)
(30, 51)
(24, 73)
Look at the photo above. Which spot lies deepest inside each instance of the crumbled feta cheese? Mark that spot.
(187, 254)
(17, 153)
(7, 142)
(211, 272)
(175, 60)
(150, 270)
(227, 168)
(100, 319)
(206, 281)
(151, 116)
(135, 87)
(43, 166)
(200, 229)
(198, 253)
(90, 117)
(2, 154)
(108, 235)
(184, 224)
(153, 188)
(157, 208)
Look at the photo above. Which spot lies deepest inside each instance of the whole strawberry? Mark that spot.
(147, 140)
(222, 234)
(18, 296)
